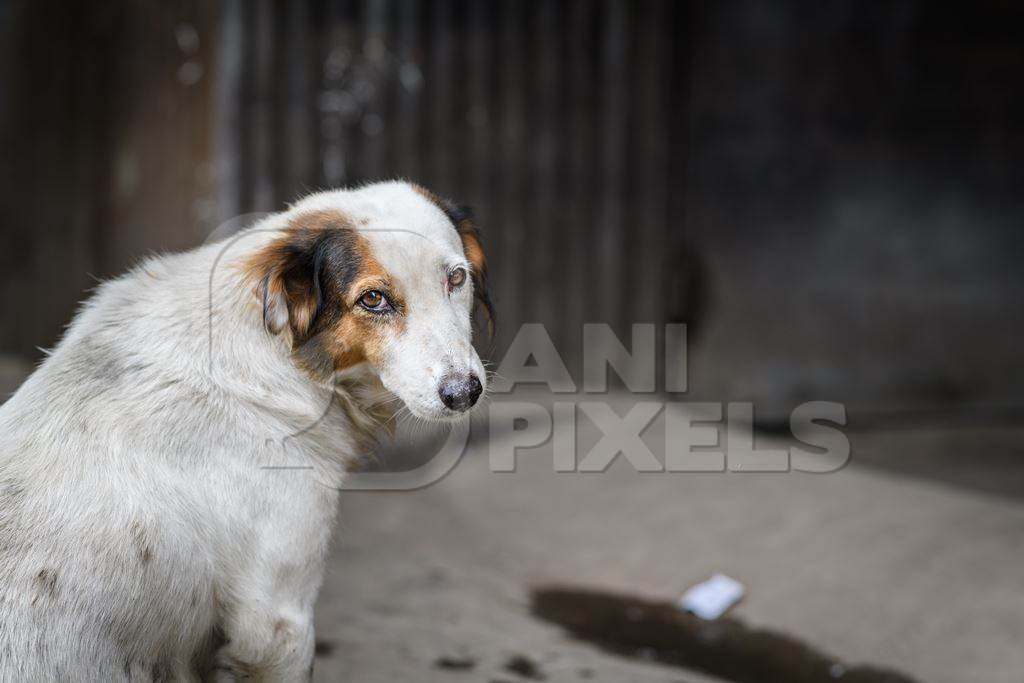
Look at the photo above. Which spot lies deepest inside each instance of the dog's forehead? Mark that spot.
(409, 235)
(408, 256)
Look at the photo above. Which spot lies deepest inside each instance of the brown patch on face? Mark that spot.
(462, 218)
(309, 281)
(361, 335)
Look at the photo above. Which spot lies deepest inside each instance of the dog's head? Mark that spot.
(383, 278)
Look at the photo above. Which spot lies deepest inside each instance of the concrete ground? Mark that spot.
(910, 559)
(869, 565)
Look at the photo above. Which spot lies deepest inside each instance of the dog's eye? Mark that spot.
(374, 301)
(456, 278)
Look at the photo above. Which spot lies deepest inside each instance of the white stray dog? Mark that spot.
(147, 531)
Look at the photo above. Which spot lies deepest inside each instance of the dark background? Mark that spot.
(828, 193)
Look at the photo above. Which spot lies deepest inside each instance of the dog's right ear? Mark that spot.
(289, 276)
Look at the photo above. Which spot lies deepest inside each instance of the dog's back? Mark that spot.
(86, 567)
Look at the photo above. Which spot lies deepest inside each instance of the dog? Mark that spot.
(169, 474)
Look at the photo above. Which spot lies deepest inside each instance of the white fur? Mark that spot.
(146, 528)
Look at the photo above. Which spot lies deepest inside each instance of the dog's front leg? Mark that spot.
(267, 642)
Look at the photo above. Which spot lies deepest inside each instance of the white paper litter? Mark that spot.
(710, 599)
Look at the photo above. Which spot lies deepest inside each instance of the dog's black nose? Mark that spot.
(460, 392)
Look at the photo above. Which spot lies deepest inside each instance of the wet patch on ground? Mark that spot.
(324, 648)
(449, 663)
(524, 667)
(655, 631)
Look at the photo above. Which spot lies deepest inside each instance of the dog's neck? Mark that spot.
(351, 403)
(369, 407)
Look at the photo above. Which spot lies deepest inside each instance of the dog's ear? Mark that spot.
(462, 217)
(289, 276)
